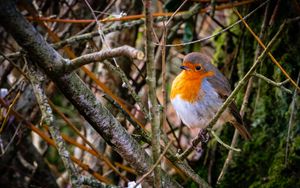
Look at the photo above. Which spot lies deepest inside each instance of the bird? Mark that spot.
(199, 91)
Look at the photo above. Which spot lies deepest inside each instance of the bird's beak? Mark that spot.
(184, 67)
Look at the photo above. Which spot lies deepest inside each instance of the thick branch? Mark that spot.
(102, 55)
(76, 91)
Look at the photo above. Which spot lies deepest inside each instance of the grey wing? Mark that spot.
(223, 89)
(220, 83)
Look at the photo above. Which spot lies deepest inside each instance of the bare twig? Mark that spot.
(99, 29)
(198, 139)
(164, 78)
(102, 55)
(271, 82)
(275, 13)
(222, 143)
(3, 150)
(36, 79)
(15, 65)
(151, 82)
(175, 12)
(88, 36)
(139, 181)
(8, 111)
(288, 137)
(123, 75)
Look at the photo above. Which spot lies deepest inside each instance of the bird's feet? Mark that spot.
(203, 135)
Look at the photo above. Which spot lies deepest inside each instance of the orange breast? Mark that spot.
(187, 86)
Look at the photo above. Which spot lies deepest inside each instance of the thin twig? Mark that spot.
(271, 82)
(36, 79)
(229, 157)
(275, 13)
(154, 111)
(222, 143)
(15, 65)
(3, 150)
(288, 137)
(139, 181)
(88, 36)
(183, 3)
(8, 111)
(164, 77)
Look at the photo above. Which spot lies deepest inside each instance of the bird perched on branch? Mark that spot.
(199, 91)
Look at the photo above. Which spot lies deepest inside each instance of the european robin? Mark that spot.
(199, 91)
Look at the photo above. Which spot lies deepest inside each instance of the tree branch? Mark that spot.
(154, 112)
(37, 79)
(292, 114)
(271, 82)
(103, 55)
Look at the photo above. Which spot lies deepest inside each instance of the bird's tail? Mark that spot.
(242, 130)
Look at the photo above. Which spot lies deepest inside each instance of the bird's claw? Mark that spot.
(198, 148)
(203, 135)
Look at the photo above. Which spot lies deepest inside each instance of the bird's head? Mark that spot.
(196, 64)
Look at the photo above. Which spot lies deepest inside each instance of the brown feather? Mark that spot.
(242, 130)
(238, 121)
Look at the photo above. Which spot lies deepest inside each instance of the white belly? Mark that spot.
(198, 114)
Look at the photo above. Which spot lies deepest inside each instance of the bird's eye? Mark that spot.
(198, 67)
